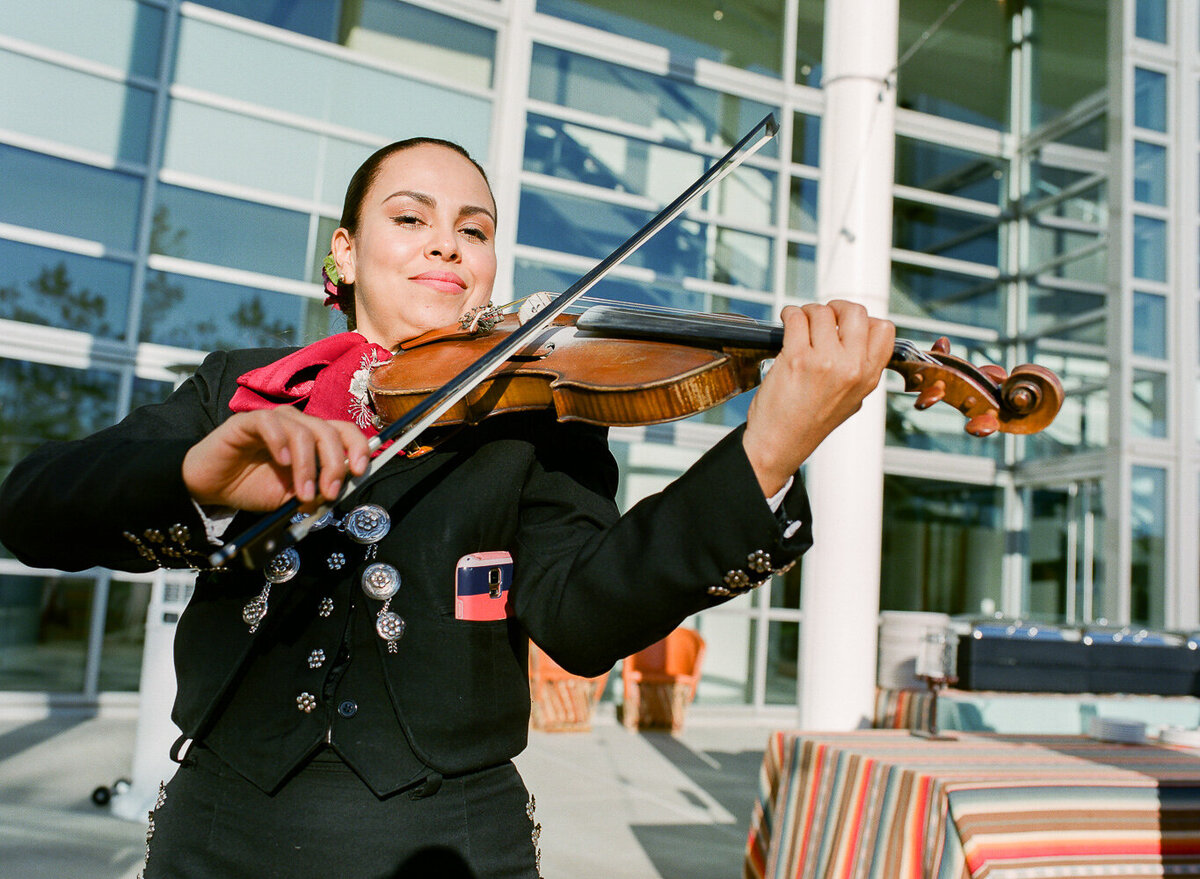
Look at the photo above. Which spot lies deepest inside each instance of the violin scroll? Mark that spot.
(1024, 402)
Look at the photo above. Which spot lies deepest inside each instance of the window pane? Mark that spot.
(230, 232)
(974, 38)
(1150, 325)
(810, 33)
(728, 677)
(95, 114)
(801, 281)
(532, 277)
(57, 289)
(943, 543)
(1149, 249)
(314, 18)
(124, 636)
(1082, 423)
(132, 31)
(743, 35)
(806, 139)
(948, 296)
(938, 231)
(783, 649)
(1066, 252)
(71, 403)
(1147, 574)
(1088, 204)
(948, 170)
(44, 632)
(207, 315)
(1070, 55)
(1150, 99)
(1149, 173)
(678, 110)
(1151, 23)
(1148, 409)
(69, 198)
(1048, 306)
(802, 215)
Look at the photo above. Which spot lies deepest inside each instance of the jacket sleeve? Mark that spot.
(116, 499)
(592, 587)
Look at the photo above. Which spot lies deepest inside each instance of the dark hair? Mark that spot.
(360, 184)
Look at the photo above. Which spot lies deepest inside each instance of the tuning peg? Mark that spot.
(983, 425)
(941, 346)
(932, 394)
(996, 373)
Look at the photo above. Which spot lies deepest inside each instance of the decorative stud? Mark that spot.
(154, 535)
(180, 533)
(737, 581)
(326, 607)
(306, 702)
(283, 566)
(367, 523)
(759, 561)
(337, 561)
(380, 581)
(316, 659)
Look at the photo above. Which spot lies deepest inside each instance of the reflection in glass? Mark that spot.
(1149, 248)
(1066, 252)
(69, 198)
(783, 648)
(1088, 204)
(1066, 554)
(939, 231)
(803, 213)
(1148, 564)
(58, 289)
(531, 277)
(230, 232)
(124, 635)
(313, 18)
(1049, 305)
(975, 37)
(1148, 409)
(40, 403)
(943, 543)
(677, 110)
(810, 33)
(1069, 55)
(1150, 325)
(949, 296)
(1150, 99)
(806, 139)
(728, 677)
(132, 31)
(937, 429)
(55, 103)
(1149, 173)
(745, 35)
(1082, 423)
(948, 170)
(44, 632)
(206, 315)
(801, 280)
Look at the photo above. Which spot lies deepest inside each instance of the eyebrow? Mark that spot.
(429, 201)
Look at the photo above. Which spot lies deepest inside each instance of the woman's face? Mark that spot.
(424, 253)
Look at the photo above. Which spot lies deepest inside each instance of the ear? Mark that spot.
(342, 246)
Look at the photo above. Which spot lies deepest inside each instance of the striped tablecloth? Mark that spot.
(885, 804)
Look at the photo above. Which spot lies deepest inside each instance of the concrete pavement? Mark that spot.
(611, 803)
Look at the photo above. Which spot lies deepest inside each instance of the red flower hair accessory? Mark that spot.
(333, 280)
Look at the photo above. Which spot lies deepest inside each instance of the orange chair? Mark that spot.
(562, 702)
(660, 681)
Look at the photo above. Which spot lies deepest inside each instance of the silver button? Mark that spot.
(282, 567)
(368, 523)
(325, 519)
(380, 581)
(390, 626)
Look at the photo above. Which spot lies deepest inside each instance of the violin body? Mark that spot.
(581, 376)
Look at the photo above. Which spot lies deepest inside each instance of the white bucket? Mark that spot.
(901, 633)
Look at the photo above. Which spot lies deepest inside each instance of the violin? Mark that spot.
(614, 365)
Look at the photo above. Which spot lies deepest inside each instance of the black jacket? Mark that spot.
(590, 586)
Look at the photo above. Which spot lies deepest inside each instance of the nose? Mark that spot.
(442, 245)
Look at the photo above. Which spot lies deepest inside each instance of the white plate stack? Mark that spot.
(1176, 735)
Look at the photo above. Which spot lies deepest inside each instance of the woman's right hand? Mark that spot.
(259, 460)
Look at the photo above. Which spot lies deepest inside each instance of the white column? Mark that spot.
(845, 476)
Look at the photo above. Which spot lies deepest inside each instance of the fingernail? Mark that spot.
(285, 456)
(310, 491)
(335, 488)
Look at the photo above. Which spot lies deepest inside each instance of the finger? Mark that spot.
(331, 445)
(822, 323)
(355, 447)
(852, 321)
(302, 445)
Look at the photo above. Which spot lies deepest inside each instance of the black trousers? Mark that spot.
(326, 824)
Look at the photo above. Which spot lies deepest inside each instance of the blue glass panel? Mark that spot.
(947, 296)
(44, 623)
(810, 42)
(1151, 20)
(683, 112)
(208, 315)
(1150, 99)
(801, 280)
(69, 198)
(949, 170)
(943, 232)
(741, 35)
(594, 229)
(1150, 325)
(421, 38)
(1148, 408)
(230, 232)
(85, 111)
(1149, 249)
(132, 31)
(1148, 549)
(313, 18)
(53, 288)
(530, 277)
(1149, 173)
(1047, 307)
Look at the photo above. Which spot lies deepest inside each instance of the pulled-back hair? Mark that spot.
(360, 184)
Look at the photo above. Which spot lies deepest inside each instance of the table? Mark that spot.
(1006, 712)
(887, 804)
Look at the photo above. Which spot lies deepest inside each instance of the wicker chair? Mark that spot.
(660, 681)
(562, 702)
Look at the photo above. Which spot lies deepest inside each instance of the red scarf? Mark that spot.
(318, 380)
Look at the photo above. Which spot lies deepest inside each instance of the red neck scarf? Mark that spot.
(326, 379)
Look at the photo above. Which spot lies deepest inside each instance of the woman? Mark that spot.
(352, 707)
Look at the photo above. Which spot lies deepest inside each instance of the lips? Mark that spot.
(446, 282)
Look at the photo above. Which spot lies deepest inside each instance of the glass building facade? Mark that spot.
(170, 174)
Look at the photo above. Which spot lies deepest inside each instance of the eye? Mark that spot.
(475, 232)
(406, 220)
